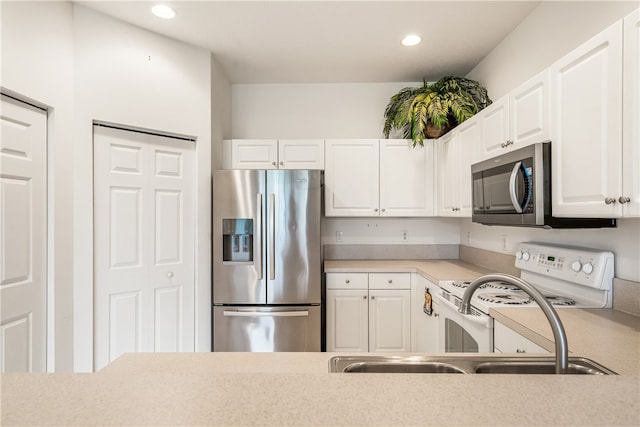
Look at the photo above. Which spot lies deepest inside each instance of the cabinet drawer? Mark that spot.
(390, 281)
(347, 280)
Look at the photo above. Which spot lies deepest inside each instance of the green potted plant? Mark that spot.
(432, 110)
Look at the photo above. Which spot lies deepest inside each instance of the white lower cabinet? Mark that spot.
(424, 327)
(506, 340)
(368, 312)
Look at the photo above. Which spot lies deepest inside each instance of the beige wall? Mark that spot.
(552, 30)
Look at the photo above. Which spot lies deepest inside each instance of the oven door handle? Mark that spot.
(483, 320)
(512, 187)
(446, 302)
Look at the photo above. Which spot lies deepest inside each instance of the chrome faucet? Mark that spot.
(559, 335)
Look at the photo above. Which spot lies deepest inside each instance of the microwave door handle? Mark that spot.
(512, 187)
(257, 243)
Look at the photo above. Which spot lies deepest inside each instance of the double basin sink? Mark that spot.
(463, 364)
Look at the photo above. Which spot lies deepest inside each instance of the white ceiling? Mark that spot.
(333, 41)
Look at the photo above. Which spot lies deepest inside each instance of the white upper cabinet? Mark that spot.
(351, 177)
(301, 154)
(275, 154)
(406, 178)
(458, 150)
(495, 127)
(370, 177)
(586, 133)
(529, 111)
(518, 119)
(631, 118)
(253, 153)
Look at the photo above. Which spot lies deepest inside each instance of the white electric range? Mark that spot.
(569, 277)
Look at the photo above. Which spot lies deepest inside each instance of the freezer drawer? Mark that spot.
(266, 329)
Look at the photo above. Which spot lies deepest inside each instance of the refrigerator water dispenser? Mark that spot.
(237, 240)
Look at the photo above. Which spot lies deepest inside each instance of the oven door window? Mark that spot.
(457, 339)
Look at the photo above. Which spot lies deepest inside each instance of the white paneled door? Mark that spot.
(144, 218)
(23, 237)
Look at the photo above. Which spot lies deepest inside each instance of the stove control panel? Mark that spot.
(584, 266)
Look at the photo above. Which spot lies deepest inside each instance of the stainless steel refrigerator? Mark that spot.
(266, 260)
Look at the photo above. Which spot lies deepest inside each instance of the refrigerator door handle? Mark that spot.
(272, 236)
(257, 245)
(266, 313)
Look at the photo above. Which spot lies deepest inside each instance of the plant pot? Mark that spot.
(432, 131)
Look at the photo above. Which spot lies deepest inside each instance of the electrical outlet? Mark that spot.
(339, 236)
(404, 235)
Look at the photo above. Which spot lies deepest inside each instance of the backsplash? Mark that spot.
(337, 252)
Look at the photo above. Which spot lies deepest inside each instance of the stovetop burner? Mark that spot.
(560, 301)
(512, 298)
(502, 286)
(460, 284)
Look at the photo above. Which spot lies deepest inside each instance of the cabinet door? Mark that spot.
(254, 154)
(351, 177)
(347, 320)
(631, 120)
(406, 178)
(529, 111)
(506, 340)
(469, 150)
(448, 176)
(424, 327)
(587, 128)
(389, 320)
(495, 128)
(301, 154)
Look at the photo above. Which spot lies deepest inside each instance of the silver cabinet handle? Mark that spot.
(384, 210)
(273, 163)
(375, 210)
(346, 281)
(257, 245)
(624, 200)
(390, 281)
(170, 275)
(373, 297)
(609, 200)
(520, 350)
(281, 163)
(364, 297)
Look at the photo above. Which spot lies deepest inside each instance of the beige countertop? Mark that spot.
(297, 389)
(610, 337)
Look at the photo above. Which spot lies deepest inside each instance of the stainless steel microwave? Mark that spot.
(515, 189)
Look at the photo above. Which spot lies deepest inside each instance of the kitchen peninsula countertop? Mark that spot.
(297, 389)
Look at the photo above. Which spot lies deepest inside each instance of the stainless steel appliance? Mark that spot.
(266, 260)
(569, 277)
(515, 189)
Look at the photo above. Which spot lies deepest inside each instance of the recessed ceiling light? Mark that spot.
(163, 11)
(411, 40)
